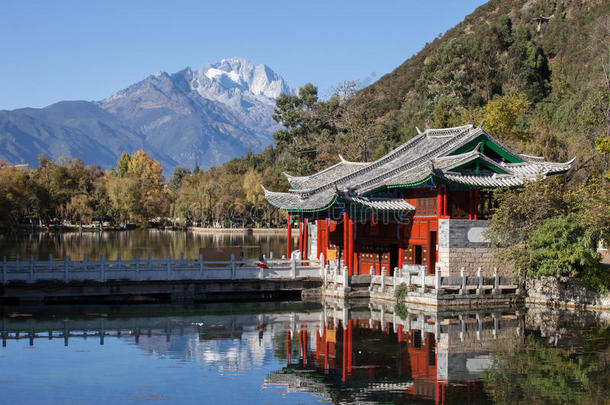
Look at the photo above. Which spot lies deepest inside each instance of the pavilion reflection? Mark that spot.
(376, 352)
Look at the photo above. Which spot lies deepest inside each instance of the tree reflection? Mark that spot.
(539, 371)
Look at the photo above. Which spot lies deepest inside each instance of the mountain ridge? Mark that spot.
(191, 117)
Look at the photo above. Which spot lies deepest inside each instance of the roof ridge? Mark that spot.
(389, 156)
(447, 131)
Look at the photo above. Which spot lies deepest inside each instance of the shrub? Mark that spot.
(401, 292)
(563, 246)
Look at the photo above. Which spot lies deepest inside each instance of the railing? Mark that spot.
(156, 270)
(416, 280)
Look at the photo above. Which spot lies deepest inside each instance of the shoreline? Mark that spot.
(256, 231)
(194, 229)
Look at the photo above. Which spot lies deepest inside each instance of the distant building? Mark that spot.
(423, 204)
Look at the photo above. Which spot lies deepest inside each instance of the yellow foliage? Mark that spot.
(252, 187)
(144, 167)
(502, 115)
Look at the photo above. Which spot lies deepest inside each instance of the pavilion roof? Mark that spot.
(442, 154)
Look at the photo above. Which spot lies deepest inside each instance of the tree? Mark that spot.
(252, 187)
(139, 194)
(503, 113)
(176, 181)
(123, 164)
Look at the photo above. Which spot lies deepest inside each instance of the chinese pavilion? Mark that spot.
(424, 203)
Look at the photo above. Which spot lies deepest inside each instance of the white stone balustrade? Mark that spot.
(155, 270)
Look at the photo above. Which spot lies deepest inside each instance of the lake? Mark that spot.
(302, 353)
(158, 243)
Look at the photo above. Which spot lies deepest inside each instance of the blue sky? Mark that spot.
(87, 50)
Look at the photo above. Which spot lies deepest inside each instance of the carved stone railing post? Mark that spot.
(293, 268)
(383, 275)
(480, 290)
(372, 273)
(463, 290)
(422, 276)
(345, 277)
(322, 265)
(496, 289)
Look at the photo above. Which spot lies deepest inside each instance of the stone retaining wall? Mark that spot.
(564, 292)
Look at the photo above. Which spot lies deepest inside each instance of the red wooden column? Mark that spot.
(301, 237)
(399, 333)
(288, 238)
(326, 236)
(401, 256)
(305, 239)
(318, 239)
(345, 238)
(350, 264)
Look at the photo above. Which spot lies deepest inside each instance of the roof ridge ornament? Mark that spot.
(481, 124)
(419, 132)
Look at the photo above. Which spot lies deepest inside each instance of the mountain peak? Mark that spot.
(241, 74)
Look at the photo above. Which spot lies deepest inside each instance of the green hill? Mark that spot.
(542, 87)
(557, 67)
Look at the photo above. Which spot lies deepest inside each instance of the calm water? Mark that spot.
(309, 353)
(140, 242)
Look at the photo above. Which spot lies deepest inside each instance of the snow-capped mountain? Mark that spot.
(205, 116)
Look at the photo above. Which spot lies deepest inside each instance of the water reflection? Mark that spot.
(157, 243)
(338, 351)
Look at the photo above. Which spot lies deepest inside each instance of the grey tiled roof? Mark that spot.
(432, 153)
(381, 204)
(333, 172)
